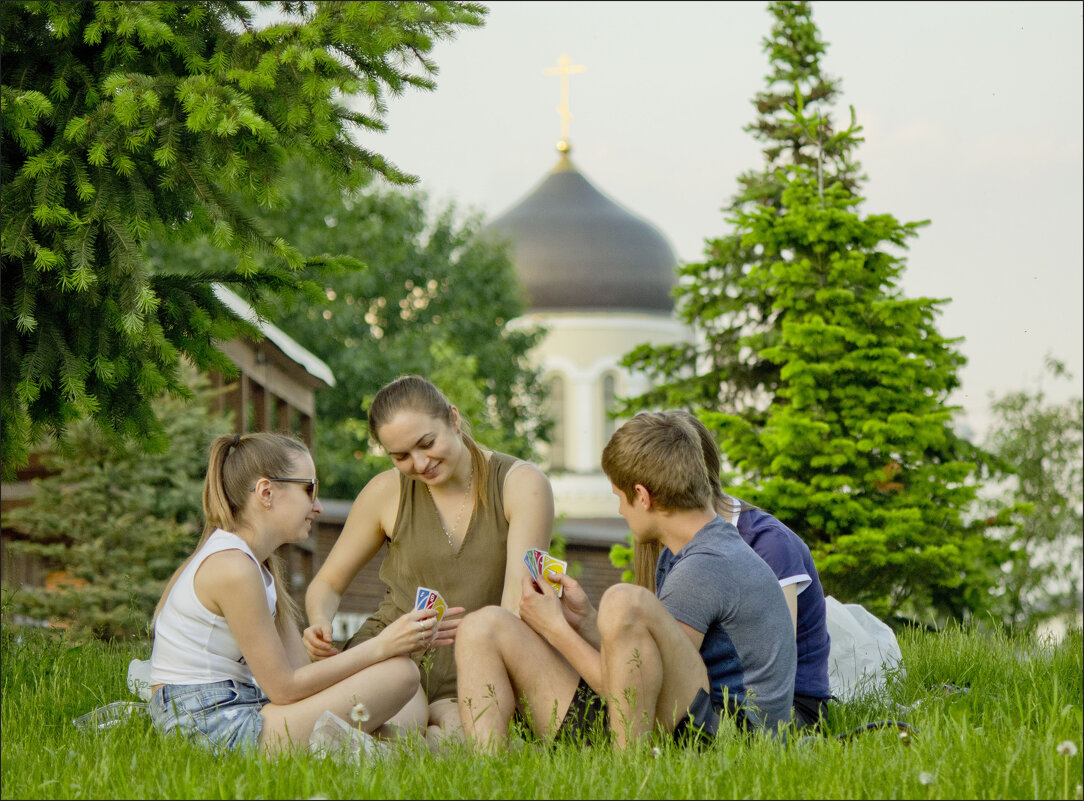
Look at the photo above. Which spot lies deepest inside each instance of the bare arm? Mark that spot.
(229, 584)
(528, 505)
(296, 652)
(363, 533)
(548, 615)
(696, 637)
(790, 593)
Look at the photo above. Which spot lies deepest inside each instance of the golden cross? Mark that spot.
(564, 68)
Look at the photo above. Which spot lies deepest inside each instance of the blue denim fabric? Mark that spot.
(222, 715)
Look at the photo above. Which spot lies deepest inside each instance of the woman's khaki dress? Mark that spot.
(419, 555)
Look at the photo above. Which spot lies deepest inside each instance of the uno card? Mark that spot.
(552, 565)
(531, 561)
(430, 599)
(539, 563)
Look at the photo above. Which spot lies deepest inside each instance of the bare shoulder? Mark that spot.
(231, 569)
(229, 565)
(374, 509)
(525, 480)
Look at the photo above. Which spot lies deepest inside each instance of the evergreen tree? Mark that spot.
(123, 118)
(716, 296)
(116, 522)
(434, 301)
(827, 387)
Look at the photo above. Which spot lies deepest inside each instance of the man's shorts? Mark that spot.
(222, 715)
(585, 722)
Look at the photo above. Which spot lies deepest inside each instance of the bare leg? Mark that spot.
(411, 718)
(444, 724)
(651, 668)
(384, 688)
(500, 659)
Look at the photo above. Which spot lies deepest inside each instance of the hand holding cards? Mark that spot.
(539, 563)
(431, 599)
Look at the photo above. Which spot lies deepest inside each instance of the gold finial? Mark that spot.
(564, 68)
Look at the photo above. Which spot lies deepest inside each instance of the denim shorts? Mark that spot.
(222, 715)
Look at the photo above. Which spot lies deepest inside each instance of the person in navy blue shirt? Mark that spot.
(789, 558)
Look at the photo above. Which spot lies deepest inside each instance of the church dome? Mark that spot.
(576, 249)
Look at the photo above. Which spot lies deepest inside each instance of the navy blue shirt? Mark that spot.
(789, 558)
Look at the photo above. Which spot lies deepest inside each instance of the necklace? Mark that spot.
(459, 514)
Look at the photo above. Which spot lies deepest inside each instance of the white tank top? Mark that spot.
(191, 644)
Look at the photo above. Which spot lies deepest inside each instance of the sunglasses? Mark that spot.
(312, 484)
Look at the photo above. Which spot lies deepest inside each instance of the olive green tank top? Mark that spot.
(419, 555)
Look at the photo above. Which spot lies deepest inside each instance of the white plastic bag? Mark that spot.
(332, 736)
(110, 715)
(863, 650)
(139, 678)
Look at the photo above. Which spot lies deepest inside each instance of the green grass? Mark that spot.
(998, 740)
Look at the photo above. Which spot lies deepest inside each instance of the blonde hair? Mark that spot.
(646, 554)
(420, 395)
(235, 463)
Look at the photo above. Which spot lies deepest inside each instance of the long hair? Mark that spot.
(418, 394)
(236, 462)
(646, 555)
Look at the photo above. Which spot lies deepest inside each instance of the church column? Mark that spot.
(584, 410)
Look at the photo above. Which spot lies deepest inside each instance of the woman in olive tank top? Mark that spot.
(456, 519)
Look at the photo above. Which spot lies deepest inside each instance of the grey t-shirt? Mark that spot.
(718, 585)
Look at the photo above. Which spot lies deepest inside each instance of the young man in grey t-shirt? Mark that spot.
(717, 636)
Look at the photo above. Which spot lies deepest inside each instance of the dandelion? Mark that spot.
(359, 713)
(1067, 748)
(656, 752)
(925, 778)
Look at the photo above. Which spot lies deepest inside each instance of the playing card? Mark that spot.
(539, 562)
(552, 565)
(430, 599)
(531, 562)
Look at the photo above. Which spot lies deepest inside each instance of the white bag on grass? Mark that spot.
(332, 736)
(139, 678)
(863, 650)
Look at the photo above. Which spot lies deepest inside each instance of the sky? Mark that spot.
(972, 116)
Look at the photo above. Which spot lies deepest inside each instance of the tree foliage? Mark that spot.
(1042, 443)
(116, 522)
(826, 386)
(433, 299)
(121, 119)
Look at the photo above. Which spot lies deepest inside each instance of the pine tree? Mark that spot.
(116, 522)
(123, 118)
(716, 296)
(827, 387)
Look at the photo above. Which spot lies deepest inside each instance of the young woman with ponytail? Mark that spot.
(456, 518)
(228, 667)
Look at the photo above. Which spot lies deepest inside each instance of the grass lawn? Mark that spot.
(999, 738)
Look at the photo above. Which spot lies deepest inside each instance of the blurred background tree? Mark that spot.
(1042, 446)
(411, 293)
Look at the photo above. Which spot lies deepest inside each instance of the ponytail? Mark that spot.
(234, 464)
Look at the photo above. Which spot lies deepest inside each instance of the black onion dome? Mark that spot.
(574, 248)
